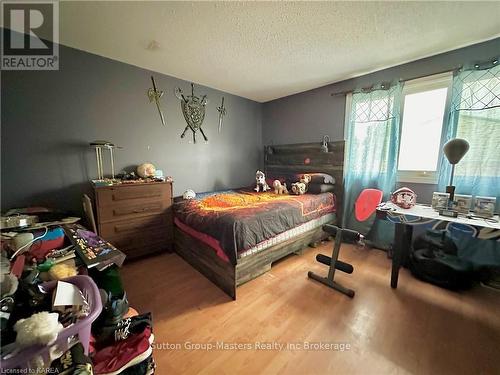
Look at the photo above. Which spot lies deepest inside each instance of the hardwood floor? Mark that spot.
(417, 328)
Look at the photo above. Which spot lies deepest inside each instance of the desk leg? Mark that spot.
(402, 243)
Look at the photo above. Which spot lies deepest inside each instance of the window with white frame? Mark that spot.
(424, 106)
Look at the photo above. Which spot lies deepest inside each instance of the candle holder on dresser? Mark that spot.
(99, 146)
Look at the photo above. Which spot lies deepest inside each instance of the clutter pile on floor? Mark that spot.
(60, 315)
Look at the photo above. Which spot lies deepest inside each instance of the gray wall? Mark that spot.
(308, 116)
(48, 119)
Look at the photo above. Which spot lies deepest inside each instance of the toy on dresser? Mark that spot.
(299, 188)
(260, 180)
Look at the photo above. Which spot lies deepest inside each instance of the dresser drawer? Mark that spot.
(132, 210)
(136, 218)
(128, 194)
(135, 226)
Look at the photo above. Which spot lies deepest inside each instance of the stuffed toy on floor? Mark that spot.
(39, 329)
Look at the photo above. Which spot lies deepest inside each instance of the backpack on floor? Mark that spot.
(434, 259)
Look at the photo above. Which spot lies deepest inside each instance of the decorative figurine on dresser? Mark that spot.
(136, 216)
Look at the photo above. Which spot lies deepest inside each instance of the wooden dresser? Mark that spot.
(136, 218)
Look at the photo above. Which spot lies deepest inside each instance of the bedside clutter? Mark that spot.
(136, 218)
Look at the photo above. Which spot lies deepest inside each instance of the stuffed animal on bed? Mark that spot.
(305, 179)
(298, 188)
(260, 180)
(279, 188)
(189, 194)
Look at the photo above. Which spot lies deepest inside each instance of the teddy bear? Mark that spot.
(260, 180)
(279, 188)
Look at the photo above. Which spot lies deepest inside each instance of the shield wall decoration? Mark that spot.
(193, 109)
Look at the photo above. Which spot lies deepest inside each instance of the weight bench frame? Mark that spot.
(333, 262)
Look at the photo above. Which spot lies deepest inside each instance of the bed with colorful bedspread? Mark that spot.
(238, 223)
(234, 236)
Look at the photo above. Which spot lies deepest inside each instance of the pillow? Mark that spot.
(321, 178)
(320, 188)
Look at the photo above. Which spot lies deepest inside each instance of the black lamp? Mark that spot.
(454, 150)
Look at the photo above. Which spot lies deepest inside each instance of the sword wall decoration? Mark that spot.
(154, 95)
(222, 113)
(193, 109)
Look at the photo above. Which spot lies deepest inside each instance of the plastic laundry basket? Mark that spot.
(81, 328)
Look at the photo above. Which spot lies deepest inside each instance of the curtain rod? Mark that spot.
(428, 75)
(403, 80)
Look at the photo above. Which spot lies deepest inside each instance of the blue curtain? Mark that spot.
(475, 116)
(371, 157)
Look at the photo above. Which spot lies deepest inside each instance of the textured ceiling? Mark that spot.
(266, 50)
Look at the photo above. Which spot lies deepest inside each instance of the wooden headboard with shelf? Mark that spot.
(308, 158)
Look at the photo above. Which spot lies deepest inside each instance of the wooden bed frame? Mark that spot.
(282, 160)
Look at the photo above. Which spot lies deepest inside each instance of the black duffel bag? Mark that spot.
(434, 259)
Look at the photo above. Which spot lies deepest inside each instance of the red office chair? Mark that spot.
(366, 204)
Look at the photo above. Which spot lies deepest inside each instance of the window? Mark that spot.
(424, 105)
(480, 127)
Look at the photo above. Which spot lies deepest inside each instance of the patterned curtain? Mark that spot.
(475, 116)
(371, 158)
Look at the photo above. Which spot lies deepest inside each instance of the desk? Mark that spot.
(405, 219)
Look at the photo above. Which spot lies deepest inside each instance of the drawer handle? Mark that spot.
(128, 211)
(156, 224)
(126, 196)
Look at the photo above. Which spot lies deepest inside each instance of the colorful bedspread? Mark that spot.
(240, 219)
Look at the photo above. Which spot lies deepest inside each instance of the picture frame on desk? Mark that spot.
(440, 200)
(484, 206)
(462, 203)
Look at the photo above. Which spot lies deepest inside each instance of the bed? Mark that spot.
(233, 236)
